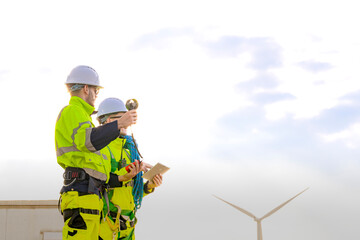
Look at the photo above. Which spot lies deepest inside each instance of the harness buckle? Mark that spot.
(70, 174)
(66, 175)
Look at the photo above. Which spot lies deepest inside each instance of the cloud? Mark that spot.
(315, 66)
(352, 97)
(261, 80)
(337, 118)
(270, 97)
(340, 117)
(265, 52)
(226, 46)
(341, 124)
(161, 38)
(246, 135)
(265, 55)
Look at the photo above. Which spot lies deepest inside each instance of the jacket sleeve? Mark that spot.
(101, 136)
(147, 191)
(114, 181)
(87, 138)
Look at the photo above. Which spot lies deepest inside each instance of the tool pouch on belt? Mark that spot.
(95, 185)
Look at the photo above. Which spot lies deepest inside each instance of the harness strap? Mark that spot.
(106, 196)
(115, 228)
(129, 184)
(125, 216)
(129, 237)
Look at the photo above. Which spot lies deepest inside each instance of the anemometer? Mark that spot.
(133, 104)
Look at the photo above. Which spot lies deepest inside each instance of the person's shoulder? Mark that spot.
(74, 108)
(73, 113)
(70, 109)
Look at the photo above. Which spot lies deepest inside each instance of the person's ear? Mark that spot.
(86, 89)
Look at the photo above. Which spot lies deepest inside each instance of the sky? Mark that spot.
(252, 101)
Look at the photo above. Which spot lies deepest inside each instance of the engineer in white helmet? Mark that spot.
(78, 143)
(119, 220)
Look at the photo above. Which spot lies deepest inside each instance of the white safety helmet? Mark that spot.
(110, 105)
(83, 75)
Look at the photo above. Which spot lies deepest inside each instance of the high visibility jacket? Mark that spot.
(73, 143)
(121, 196)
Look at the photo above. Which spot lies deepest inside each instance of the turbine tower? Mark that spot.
(258, 220)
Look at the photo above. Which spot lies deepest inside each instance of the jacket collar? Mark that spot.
(74, 100)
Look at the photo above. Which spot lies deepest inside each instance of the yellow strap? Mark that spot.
(112, 226)
(116, 226)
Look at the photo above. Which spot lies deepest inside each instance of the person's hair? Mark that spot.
(74, 88)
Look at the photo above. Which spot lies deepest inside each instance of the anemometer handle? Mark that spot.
(128, 166)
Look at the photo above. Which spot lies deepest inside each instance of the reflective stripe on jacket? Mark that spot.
(73, 143)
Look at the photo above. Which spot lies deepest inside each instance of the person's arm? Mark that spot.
(114, 181)
(103, 135)
(134, 169)
(117, 180)
(150, 186)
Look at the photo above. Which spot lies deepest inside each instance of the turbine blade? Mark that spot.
(238, 208)
(259, 230)
(277, 208)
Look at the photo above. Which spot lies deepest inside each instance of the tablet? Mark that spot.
(157, 169)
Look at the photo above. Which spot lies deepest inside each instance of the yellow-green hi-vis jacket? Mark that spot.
(72, 140)
(120, 197)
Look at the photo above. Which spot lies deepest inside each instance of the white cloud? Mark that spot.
(350, 136)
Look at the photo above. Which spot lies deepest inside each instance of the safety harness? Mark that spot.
(120, 219)
(82, 181)
(77, 179)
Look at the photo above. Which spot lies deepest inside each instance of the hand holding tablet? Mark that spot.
(157, 169)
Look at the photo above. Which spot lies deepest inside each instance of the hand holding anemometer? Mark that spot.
(132, 104)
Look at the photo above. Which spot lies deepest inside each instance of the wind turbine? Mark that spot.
(258, 220)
